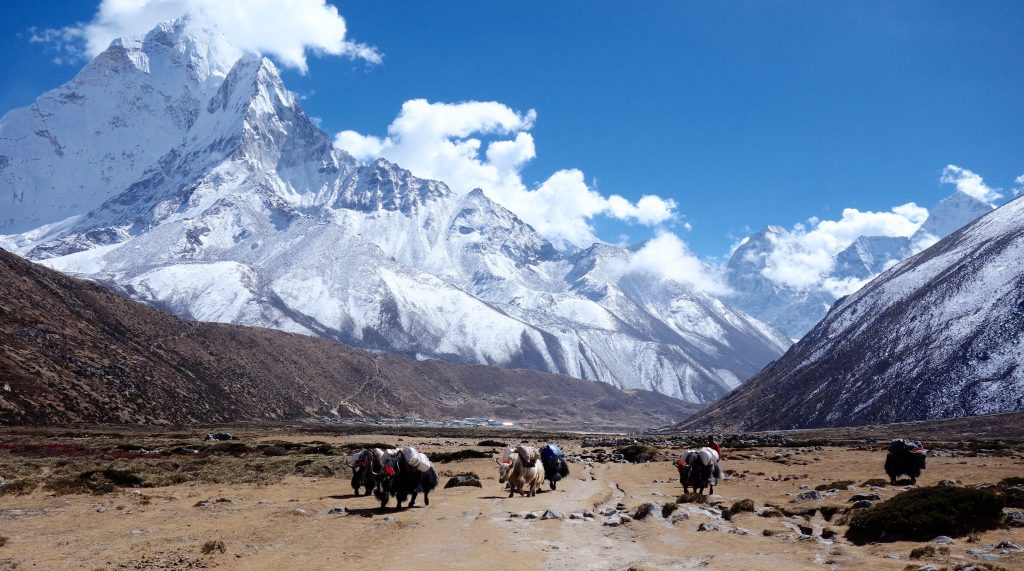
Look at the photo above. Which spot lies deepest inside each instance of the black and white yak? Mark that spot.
(365, 464)
(699, 469)
(399, 479)
(905, 458)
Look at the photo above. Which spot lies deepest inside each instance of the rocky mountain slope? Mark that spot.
(795, 310)
(252, 217)
(939, 335)
(72, 351)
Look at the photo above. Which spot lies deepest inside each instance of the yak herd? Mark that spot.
(405, 473)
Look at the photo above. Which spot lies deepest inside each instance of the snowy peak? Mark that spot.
(951, 214)
(870, 255)
(80, 144)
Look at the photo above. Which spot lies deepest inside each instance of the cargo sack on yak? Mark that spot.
(551, 452)
(416, 459)
(527, 455)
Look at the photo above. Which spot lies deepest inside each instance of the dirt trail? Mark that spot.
(289, 525)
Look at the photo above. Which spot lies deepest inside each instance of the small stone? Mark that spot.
(715, 499)
(947, 483)
(740, 531)
(575, 515)
(625, 518)
(338, 511)
(828, 533)
(136, 532)
(2, 481)
(869, 497)
(810, 495)
(805, 486)
(613, 521)
(943, 540)
(530, 515)
(709, 526)
(101, 510)
(861, 505)
(769, 512)
(588, 513)
(1015, 519)
(552, 514)
(607, 511)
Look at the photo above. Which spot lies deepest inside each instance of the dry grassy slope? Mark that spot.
(72, 351)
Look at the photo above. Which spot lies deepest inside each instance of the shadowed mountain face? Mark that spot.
(251, 217)
(73, 351)
(939, 335)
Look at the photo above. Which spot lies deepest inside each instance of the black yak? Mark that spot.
(905, 458)
(555, 466)
(399, 479)
(363, 464)
(699, 470)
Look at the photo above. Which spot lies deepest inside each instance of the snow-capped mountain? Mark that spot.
(85, 141)
(794, 310)
(249, 215)
(938, 335)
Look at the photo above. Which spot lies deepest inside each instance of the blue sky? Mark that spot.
(744, 114)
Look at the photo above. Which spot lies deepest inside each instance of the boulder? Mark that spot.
(709, 526)
(552, 514)
(861, 505)
(869, 497)
(464, 480)
(810, 495)
(613, 521)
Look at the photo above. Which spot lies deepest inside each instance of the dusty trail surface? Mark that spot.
(276, 519)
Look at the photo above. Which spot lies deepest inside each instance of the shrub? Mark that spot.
(668, 508)
(497, 443)
(922, 514)
(692, 498)
(18, 488)
(211, 546)
(637, 453)
(881, 483)
(445, 457)
(921, 552)
(840, 485)
(746, 505)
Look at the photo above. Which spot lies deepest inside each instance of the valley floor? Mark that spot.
(268, 496)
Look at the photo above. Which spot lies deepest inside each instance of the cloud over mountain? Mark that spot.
(283, 29)
(445, 141)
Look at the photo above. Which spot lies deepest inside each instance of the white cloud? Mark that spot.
(1018, 185)
(282, 29)
(443, 141)
(969, 183)
(667, 257)
(803, 257)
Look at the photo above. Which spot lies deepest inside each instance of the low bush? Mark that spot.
(840, 485)
(922, 552)
(746, 505)
(446, 457)
(211, 546)
(922, 514)
(638, 453)
(497, 443)
(879, 482)
(692, 498)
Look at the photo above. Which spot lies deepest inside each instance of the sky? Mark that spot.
(726, 116)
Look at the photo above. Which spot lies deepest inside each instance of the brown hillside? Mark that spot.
(73, 351)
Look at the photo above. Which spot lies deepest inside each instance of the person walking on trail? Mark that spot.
(715, 446)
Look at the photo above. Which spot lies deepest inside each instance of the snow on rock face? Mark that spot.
(85, 141)
(794, 310)
(252, 217)
(939, 335)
